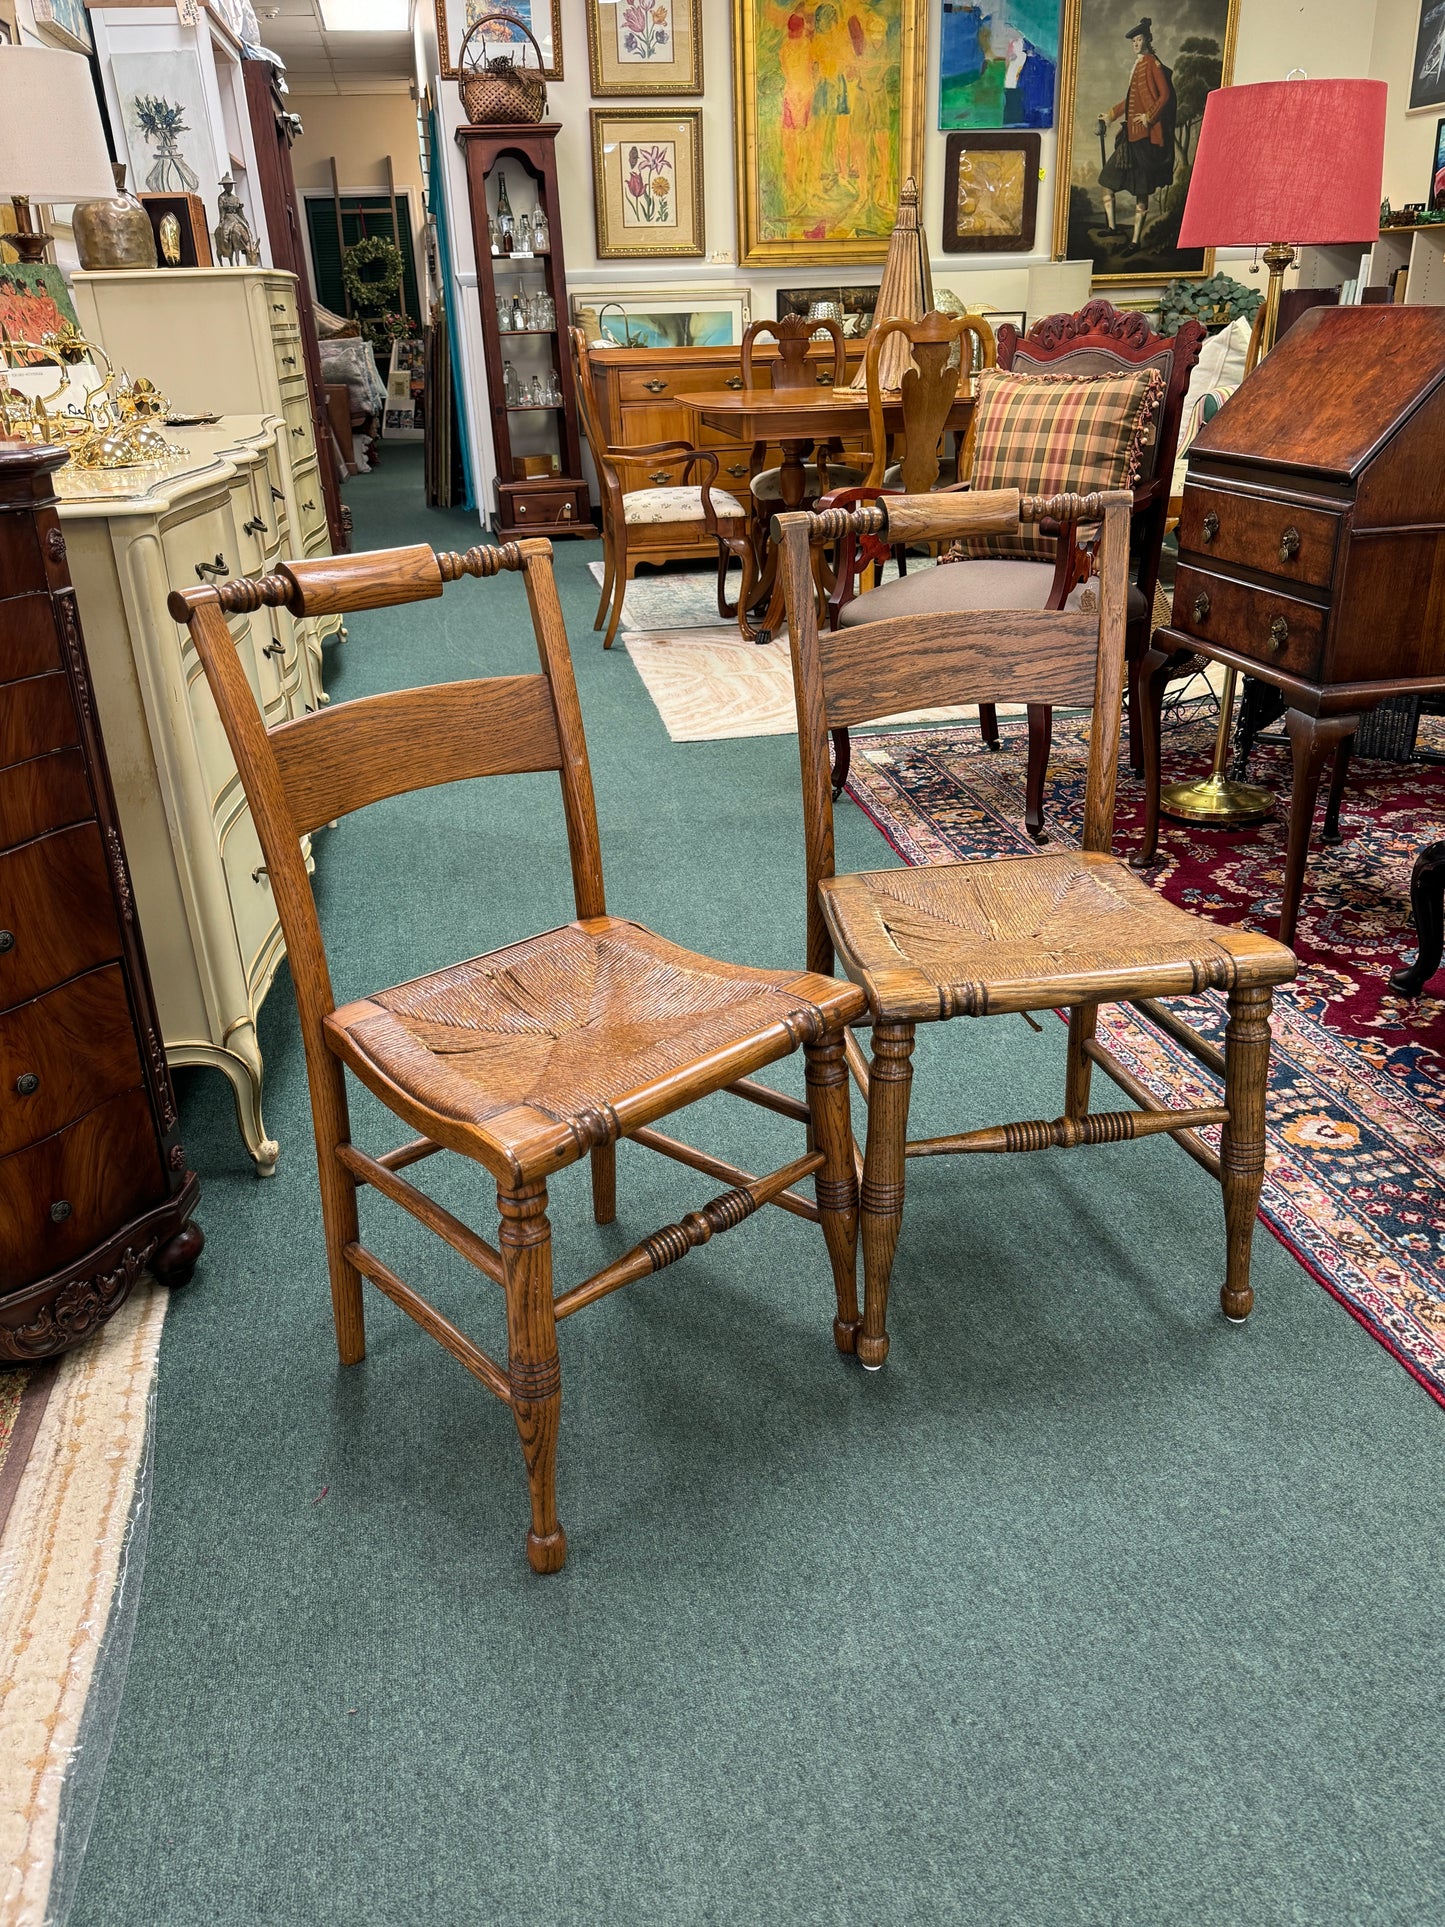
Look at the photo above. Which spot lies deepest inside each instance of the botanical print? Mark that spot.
(161, 124)
(167, 129)
(647, 184)
(990, 193)
(1130, 109)
(998, 63)
(1427, 74)
(643, 32)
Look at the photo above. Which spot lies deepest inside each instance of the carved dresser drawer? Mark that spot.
(1278, 538)
(62, 1054)
(57, 912)
(42, 793)
(59, 1197)
(1272, 627)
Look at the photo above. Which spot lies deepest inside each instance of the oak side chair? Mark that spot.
(1051, 929)
(532, 1057)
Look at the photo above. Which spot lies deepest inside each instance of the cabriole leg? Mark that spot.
(890, 1083)
(532, 1364)
(836, 1185)
(1246, 1085)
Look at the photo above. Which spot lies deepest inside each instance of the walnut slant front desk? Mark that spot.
(1312, 540)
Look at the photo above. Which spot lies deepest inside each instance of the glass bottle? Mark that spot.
(518, 320)
(509, 384)
(538, 398)
(494, 237)
(541, 237)
(504, 314)
(504, 214)
(524, 235)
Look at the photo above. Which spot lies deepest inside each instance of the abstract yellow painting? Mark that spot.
(829, 122)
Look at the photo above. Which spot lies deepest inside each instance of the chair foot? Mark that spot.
(547, 1554)
(1236, 1305)
(871, 1353)
(845, 1334)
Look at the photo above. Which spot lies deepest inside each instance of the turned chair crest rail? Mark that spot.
(959, 514)
(349, 584)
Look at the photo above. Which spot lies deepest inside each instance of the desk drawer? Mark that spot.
(1296, 544)
(1276, 629)
(32, 644)
(63, 1054)
(60, 1197)
(57, 915)
(650, 384)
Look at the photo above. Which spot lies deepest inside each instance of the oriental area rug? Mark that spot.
(1356, 1148)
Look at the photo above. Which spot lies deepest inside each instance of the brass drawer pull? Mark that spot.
(27, 1084)
(7, 941)
(567, 512)
(60, 1211)
(824, 381)
(298, 432)
(1211, 526)
(212, 571)
(288, 361)
(521, 508)
(660, 475)
(1201, 607)
(1289, 545)
(738, 468)
(275, 648)
(255, 526)
(657, 386)
(308, 505)
(733, 381)
(258, 873)
(1278, 633)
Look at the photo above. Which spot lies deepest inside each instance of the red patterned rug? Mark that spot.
(1357, 1090)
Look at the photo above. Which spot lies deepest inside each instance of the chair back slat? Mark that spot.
(794, 336)
(350, 755)
(931, 661)
(928, 388)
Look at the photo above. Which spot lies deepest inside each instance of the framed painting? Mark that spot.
(1131, 99)
(64, 23)
(1427, 70)
(1437, 171)
(828, 124)
(647, 181)
(542, 17)
(998, 63)
(645, 46)
(167, 130)
(664, 318)
(990, 193)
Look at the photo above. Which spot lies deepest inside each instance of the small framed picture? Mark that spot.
(990, 193)
(645, 46)
(647, 181)
(542, 18)
(1437, 171)
(179, 224)
(1427, 69)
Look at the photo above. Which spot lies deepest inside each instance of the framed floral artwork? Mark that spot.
(828, 124)
(647, 181)
(990, 193)
(542, 18)
(645, 46)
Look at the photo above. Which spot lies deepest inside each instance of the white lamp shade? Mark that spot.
(52, 145)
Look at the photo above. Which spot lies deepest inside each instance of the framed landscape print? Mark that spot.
(543, 17)
(990, 193)
(1130, 107)
(1427, 70)
(828, 124)
(998, 63)
(698, 318)
(647, 181)
(645, 46)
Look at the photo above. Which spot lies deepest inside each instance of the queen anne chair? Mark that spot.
(1068, 928)
(667, 501)
(531, 1057)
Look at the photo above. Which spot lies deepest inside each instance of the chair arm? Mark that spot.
(853, 555)
(648, 451)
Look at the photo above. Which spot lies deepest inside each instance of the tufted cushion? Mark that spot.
(1051, 434)
(955, 586)
(650, 505)
(768, 486)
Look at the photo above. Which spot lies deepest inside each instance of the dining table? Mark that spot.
(796, 421)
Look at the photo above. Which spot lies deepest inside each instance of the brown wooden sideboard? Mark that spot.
(637, 393)
(93, 1181)
(1312, 542)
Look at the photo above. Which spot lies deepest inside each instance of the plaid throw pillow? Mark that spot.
(1057, 434)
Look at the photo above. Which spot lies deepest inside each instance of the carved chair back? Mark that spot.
(794, 335)
(301, 774)
(904, 662)
(928, 390)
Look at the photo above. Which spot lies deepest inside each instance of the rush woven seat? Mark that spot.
(528, 1057)
(539, 1054)
(1057, 929)
(1021, 933)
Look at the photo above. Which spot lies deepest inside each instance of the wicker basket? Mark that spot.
(497, 92)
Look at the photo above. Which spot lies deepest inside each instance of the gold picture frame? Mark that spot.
(1094, 49)
(812, 130)
(647, 182)
(455, 16)
(638, 47)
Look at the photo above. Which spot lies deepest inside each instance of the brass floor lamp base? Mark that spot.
(1215, 798)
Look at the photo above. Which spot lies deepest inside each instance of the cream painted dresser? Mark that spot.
(228, 341)
(204, 903)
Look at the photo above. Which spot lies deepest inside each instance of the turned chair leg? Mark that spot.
(338, 1208)
(533, 1369)
(1083, 1019)
(881, 1214)
(842, 760)
(1241, 1155)
(836, 1185)
(988, 724)
(604, 1183)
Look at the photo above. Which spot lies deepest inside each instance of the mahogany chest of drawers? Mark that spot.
(93, 1181)
(1312, 537)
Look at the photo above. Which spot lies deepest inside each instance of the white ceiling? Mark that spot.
(318, 62)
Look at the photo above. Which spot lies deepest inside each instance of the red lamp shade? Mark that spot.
(1299, 161)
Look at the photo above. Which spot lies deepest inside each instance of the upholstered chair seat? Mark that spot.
(953, 586)
(768, 487)
(642, 506)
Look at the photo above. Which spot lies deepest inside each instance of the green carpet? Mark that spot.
(1088, 1608)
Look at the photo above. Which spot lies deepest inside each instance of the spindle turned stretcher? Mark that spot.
(532, 1057)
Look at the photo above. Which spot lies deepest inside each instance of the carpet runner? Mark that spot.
(1357, 1088)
